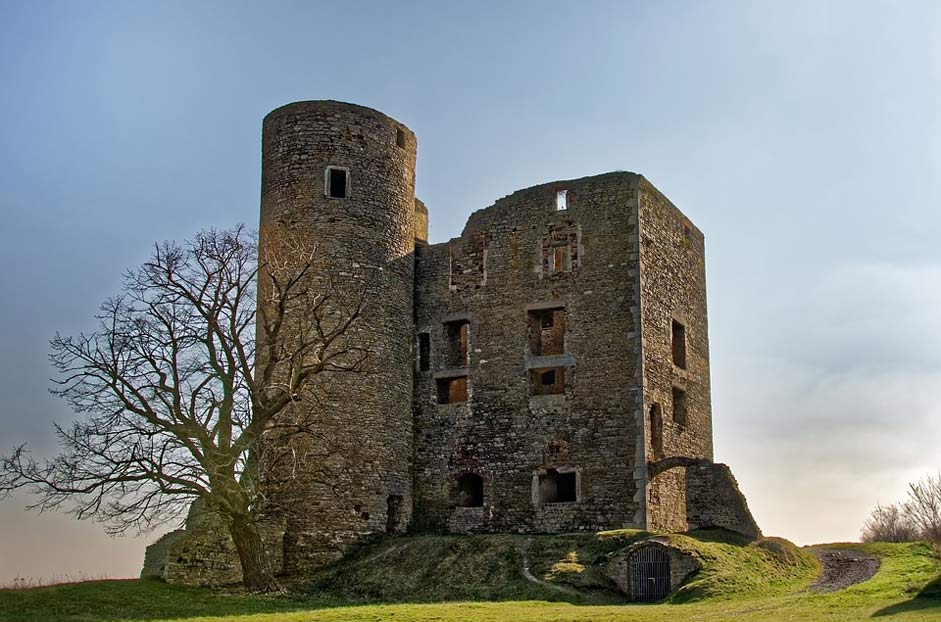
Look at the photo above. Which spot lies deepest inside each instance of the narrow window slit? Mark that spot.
(424, 351)
(678, 338)
(679, 407)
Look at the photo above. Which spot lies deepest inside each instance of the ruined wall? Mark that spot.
(714, 500)
(203, 552)
(561, 422)
(350, 475)
(519, 378)
(677, 400)
(666, 501)
(157, 555)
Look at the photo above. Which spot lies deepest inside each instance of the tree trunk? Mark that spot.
(257, 575)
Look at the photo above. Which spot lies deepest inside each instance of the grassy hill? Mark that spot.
(567, 567)
(445, 578)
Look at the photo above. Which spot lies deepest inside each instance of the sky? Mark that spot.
(802, 137)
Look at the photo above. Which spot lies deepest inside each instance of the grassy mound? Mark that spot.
(763, 581)
(569, 567)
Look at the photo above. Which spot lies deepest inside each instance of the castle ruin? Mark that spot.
(545, 372)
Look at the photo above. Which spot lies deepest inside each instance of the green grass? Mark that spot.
(420, 577)
(421, 569)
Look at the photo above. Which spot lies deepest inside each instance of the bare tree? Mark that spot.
(924, 507)
(175, 403)
(889, 523)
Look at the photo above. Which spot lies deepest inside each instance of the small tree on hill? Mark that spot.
(889, 523)
(176, 403)
(923, 507)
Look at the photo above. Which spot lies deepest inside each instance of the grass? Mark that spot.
(445, 578)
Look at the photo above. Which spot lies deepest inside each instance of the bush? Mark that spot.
(889, 523)
(918, 518)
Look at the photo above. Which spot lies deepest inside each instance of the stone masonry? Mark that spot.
(547, 371)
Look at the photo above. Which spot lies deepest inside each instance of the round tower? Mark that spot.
(338, 183)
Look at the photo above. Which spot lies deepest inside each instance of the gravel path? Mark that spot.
(843, 568)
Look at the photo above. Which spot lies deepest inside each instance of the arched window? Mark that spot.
(470, 491)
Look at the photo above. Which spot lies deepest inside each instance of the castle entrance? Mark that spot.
(650, 571)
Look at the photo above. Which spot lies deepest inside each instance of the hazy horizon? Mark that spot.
(801, 138)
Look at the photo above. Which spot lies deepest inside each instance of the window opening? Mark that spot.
(555, 487)
(561, 200)
(561, 258)
(424, 351)
(547, 331)
(679, 406)
(458, 341)
(399, 137)
(393, 513)
(548, 381)
(656, 431)
(470, 491)
(452, 390)
(678, 337)
(337, 182)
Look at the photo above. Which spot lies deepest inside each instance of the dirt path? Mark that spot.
(527, 573)
(843, 568)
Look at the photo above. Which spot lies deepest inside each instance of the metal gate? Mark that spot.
(650, 572)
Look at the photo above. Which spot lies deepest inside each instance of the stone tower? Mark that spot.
(338, 180)
(546, 371)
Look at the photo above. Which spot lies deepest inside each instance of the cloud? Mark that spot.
(837, 407)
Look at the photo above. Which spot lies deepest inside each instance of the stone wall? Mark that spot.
(349, 475)
(673, 295)
(203, 552)
(157, 555)
(713, 499)
(566, 380)
(519, 258)
(620, 570)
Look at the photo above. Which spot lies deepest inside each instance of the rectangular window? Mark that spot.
(399, 137)
(549, 381)
(656, 431)
(678, 337)
(458, 334)
(561, 259)
(561, 200)
(679, 407)
(424, 351)
(452, 390)
(337, 182)
(546, 331)
(555, 487)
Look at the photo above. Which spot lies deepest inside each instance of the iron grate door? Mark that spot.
(650, 568)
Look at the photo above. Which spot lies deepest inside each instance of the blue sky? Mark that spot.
(801, 137)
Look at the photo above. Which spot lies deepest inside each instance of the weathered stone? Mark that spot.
(624, 567)
(539, 352)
